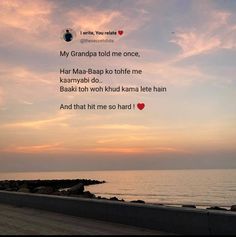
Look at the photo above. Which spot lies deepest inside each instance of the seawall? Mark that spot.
(177, 220)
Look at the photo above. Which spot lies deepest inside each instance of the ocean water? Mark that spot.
(171, 187)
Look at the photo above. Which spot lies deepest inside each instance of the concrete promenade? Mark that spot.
(26, 221)
(159, 218)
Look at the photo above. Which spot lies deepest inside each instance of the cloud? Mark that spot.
(219, 19)
(120, 126)
(91, 19)
(138, 150)
(120, 138)
(216, 33)
(170, 74)
(60, 120)
(113, 150)
(58, 147)
(22, 74)
(1, 97)
(26, 15)
(194, 43)
(18, 83)
(45, 148)
(26, 24)
(27, 102)
(39, 19)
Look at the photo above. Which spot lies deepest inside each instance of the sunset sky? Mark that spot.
(188, 46)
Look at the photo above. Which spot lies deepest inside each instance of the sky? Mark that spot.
(188, 46)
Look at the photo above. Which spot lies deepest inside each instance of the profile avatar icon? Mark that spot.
(68, 35)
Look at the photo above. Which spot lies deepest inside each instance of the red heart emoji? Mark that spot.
(120, 32)
(140, 106)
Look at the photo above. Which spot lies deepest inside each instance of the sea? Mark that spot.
(169, 187)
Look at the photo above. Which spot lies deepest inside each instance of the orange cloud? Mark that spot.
(113, 150)
(114, 139)
(18, 82)
(57, 121)
(59, 147)
(90, 19)
(26, 22)
(1, 97)
(25, 15)
(120, 126)
(25, 75)
(138, 150)
(49, 148)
